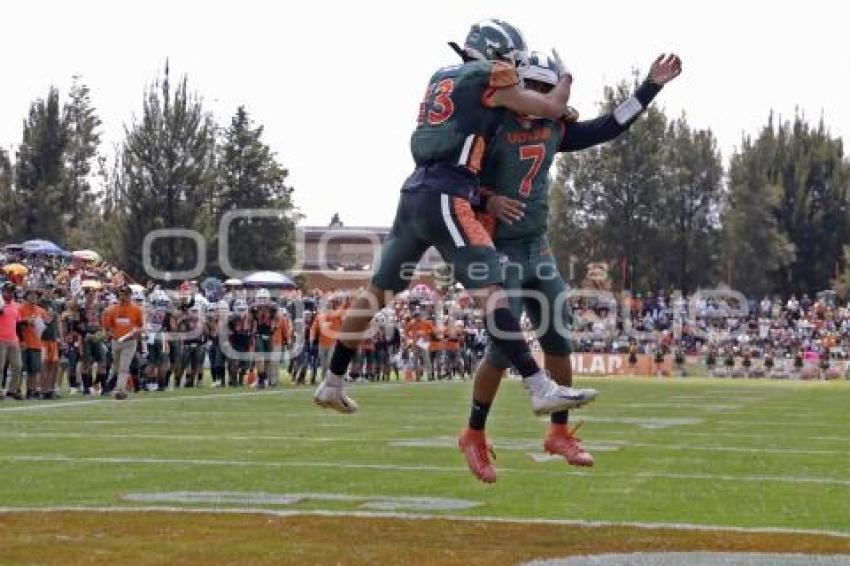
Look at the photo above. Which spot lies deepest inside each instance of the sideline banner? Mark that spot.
(615, 364)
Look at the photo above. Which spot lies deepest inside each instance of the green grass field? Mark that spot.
(743, 453)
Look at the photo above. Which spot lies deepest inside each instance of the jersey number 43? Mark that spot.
(437, 106)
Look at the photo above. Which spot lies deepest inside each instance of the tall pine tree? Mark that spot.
(7, 198)
(755, 248)
(808, 165)
(40, 172)
(80, 201)
(251, 177)
(789, 213)
(690, 207)
(167, 170)
(610, 195)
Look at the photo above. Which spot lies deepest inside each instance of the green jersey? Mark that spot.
(454, 125)
(520, 154)
(517, 165)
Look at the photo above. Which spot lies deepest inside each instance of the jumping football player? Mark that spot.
(516, 191)
(463, 106)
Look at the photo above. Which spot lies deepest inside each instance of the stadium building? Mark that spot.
(343, 257)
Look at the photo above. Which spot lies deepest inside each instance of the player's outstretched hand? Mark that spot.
(505, 209)
(666, 68)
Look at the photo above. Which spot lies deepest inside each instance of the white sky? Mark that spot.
(337, 84)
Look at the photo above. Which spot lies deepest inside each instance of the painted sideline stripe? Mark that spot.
(425, 516)
(162, 436)
(47, 406)
(416, 468)
(206, 396)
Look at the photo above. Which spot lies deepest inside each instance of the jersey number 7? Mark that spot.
(535, 152)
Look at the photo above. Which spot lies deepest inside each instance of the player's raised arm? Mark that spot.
(530, 103)
(587, 133)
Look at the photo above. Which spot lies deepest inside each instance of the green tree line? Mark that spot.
(176, 169)
(657, 205)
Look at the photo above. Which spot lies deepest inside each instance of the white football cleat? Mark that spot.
(549, 397)
(333, 397)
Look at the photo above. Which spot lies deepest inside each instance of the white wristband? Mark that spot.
(627, 110)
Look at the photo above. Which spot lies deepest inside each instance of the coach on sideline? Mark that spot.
(123, 324)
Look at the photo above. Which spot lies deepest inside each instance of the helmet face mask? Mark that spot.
(542, 72)
(496, 40)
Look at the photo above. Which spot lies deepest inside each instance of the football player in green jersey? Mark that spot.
(462, 109)
(515, 184)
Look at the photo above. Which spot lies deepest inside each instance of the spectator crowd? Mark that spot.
(77, 325)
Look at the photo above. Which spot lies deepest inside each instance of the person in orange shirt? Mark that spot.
(123, 324)
(454, 329)
(34, 319)
(418, 332)
(326, 330)
(10, 347)
(437, 352)
(280, 342)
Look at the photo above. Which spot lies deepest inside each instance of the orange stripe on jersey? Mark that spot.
(487, 221)
(476, 156)
(471, 227)
(502, 75)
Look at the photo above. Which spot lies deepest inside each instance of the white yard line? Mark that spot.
(734, 449)
(417, 468)
(424, 516)
(440, 442)
(842, 439)
(811, 423)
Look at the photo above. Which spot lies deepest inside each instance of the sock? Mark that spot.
(478, 415)
(86, 381)
(559, 417)
(340, 359)
(514, 347)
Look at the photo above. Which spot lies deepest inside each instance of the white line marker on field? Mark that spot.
(419, 468)
(46, 406)
(371, 502)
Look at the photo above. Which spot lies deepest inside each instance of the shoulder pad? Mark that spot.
(502, 75)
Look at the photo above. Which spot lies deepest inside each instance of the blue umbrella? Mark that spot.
(41, 247)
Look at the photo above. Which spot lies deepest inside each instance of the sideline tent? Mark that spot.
(269, 279)
(42, 247)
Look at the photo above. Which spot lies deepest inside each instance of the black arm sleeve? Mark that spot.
(587, 133)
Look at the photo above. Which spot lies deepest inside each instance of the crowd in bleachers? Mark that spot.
(727, 332)
(227, 333)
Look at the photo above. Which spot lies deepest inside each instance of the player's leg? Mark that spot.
(556, 346)
(467, 247)
(488, 375)
(401, 249)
